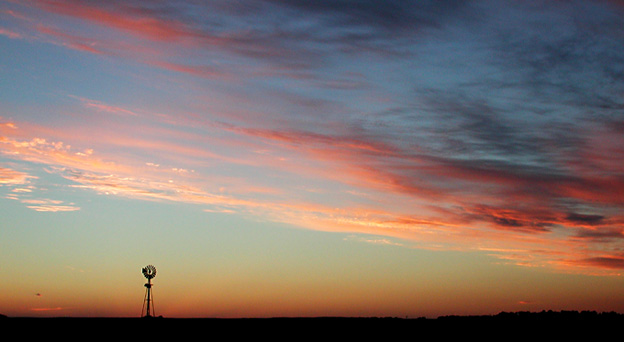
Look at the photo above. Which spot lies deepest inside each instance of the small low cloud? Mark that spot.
(375, 241)
(74, 269)
(12, 177)
(48, 205)
(53, 208)
(58, 308)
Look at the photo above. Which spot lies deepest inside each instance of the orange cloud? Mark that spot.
(58, 308)
(51, 152)
(53, 208)
(12, 177)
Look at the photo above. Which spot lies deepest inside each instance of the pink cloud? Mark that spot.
(9, 33)
(132, 22)
(172, 35)
(103, 107)
(198, 71)
(72, 41)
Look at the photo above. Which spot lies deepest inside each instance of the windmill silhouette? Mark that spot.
(149, 272)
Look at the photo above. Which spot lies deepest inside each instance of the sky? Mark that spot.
(311, 158)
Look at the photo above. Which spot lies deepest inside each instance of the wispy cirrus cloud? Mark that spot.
(9, 33)
(73, 41)
(103, 107)
(129, 19)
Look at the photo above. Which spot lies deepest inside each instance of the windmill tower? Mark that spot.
(149, 272)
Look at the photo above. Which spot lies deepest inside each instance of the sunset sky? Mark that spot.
(311, 158)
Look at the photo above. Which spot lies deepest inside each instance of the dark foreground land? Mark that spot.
(501, 326)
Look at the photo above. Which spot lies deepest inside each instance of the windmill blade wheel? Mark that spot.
(149, 271)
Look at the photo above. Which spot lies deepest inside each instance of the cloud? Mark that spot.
(283, 42)
(481, 124)
(102, 107)
(424, 223)
(73, 41)
(375, 241)
(393, 16)
(119, 17)
(52, 208)
(9, 33)
(590, 220)
(74, 269)
(202, 71)
(608, 262)
(607, 234)
(58, 308)
(12, 177)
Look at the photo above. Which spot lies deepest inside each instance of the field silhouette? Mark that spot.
(512, 323)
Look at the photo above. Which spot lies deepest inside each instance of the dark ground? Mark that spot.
(501, 326)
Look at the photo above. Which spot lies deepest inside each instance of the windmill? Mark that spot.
(149, 272)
